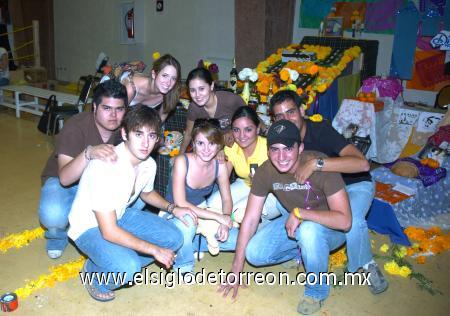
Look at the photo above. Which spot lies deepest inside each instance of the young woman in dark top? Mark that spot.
(208, 103)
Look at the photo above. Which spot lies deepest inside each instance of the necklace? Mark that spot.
(309, 192)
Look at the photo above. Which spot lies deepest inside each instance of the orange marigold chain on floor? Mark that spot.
(20, 240)
(60, 273)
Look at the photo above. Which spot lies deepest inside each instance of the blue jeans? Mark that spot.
(106, 257)
(54, 207)
(271, 245)
(358, 243)
(185, 260)
(359, 250)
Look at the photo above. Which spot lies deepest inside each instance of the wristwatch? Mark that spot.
(319, 164)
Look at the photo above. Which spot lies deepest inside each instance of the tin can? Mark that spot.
(9, 302)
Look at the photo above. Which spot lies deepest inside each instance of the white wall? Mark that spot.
(383, 61)
(189, 30)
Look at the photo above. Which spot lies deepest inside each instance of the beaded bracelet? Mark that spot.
(170, 208)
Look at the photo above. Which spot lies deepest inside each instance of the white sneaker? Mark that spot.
(54, 254)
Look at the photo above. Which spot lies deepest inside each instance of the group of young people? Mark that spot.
(289, 194)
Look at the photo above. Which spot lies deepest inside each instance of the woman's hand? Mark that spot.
(221, 157)
(222, 233)
(181, 212)
(224, 220)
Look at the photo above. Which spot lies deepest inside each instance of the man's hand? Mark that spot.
(304, 172)
(222, 233)
(164, 256)
(221, 157)
(228, 138)
(180, 212)
(103, 152)
(234, 285)
(291, 225)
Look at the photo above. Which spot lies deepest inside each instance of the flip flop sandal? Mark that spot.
(95, 292)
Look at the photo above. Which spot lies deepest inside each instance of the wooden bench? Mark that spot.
(33, 106)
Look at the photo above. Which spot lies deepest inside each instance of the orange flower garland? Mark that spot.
(325, 75)
(20, 240)
(60, 273)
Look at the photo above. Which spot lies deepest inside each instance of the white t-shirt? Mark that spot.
(5, 72)
(106, 187)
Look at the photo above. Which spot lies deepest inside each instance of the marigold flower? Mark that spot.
(321, 87)
(174, 152)
(313, 69)
(316, 118)
(392, 267)
(20, 240)
(60, 273)
(338, 259)
(292, 87)
(421, 259)
(404, 271)
(401, 252)
(409, 252)
(156, 55)
(284, 74)
(384, 248)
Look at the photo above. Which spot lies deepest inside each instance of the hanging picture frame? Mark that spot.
(334, 26)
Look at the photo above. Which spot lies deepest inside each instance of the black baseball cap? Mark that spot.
(283, 132)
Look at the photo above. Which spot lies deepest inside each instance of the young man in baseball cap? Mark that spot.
(319, 213)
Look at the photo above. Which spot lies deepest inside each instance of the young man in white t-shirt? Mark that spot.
(115, 238)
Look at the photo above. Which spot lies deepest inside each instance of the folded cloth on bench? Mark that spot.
(427, 175)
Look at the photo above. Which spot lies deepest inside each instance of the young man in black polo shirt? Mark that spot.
(345, 158)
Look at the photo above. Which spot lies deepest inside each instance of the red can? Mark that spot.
(9, 302)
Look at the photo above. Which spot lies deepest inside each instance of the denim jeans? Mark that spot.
(106, 257)
(185, 260)
(239, 195)
(358, 244)
(54, 207)
(359, 250)
(271, 245)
